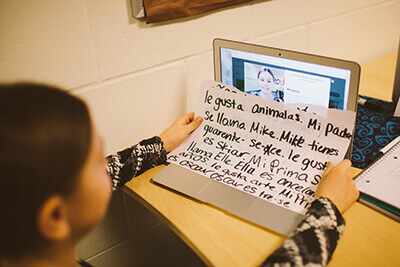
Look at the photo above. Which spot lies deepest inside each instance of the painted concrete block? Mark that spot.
(46, 41)
(360, 36)
(295, 39)
(273, 16)
(125, 45)
(198, 68)
(129, 109)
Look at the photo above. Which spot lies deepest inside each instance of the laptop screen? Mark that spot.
(285, 80)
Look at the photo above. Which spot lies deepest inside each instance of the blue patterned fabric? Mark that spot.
(373, 131)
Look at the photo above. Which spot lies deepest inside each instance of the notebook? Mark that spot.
(379, 183)
(238, 64)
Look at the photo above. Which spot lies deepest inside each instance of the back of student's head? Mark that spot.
(44, 139)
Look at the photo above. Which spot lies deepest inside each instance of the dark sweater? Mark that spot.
(311, 243)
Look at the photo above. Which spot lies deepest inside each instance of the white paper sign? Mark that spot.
(271, 150)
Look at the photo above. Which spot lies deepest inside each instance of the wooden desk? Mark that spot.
(220, 239)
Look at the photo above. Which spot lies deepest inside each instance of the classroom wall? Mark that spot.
(138, 78)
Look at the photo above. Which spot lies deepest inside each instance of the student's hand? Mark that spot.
(179, 131)
(337, 185)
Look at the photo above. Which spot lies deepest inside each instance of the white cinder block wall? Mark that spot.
(132, 73)
(138, 78)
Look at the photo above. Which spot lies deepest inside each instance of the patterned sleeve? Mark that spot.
(314, 240)
(133, 161)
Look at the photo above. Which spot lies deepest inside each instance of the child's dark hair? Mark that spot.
(265, 70)
(45, 137)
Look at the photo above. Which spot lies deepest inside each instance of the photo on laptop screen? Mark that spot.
(285, 80)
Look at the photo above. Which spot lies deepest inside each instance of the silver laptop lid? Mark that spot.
(297, 77)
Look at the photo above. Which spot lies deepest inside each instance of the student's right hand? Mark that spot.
(179, 131)
(337, 185)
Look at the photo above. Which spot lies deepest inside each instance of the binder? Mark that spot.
(379, 183)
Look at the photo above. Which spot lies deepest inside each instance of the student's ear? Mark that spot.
(53, 223)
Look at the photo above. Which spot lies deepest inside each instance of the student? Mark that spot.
(315, 238)
(55, 188)
(266, 82)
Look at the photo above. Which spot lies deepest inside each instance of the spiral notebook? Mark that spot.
(379, 183)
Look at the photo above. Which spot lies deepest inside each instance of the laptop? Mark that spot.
(299, 78)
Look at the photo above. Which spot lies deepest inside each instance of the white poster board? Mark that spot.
(274, 151)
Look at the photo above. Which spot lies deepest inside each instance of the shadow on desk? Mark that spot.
(130, 235)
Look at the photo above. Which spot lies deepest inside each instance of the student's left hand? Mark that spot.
(179, 131)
